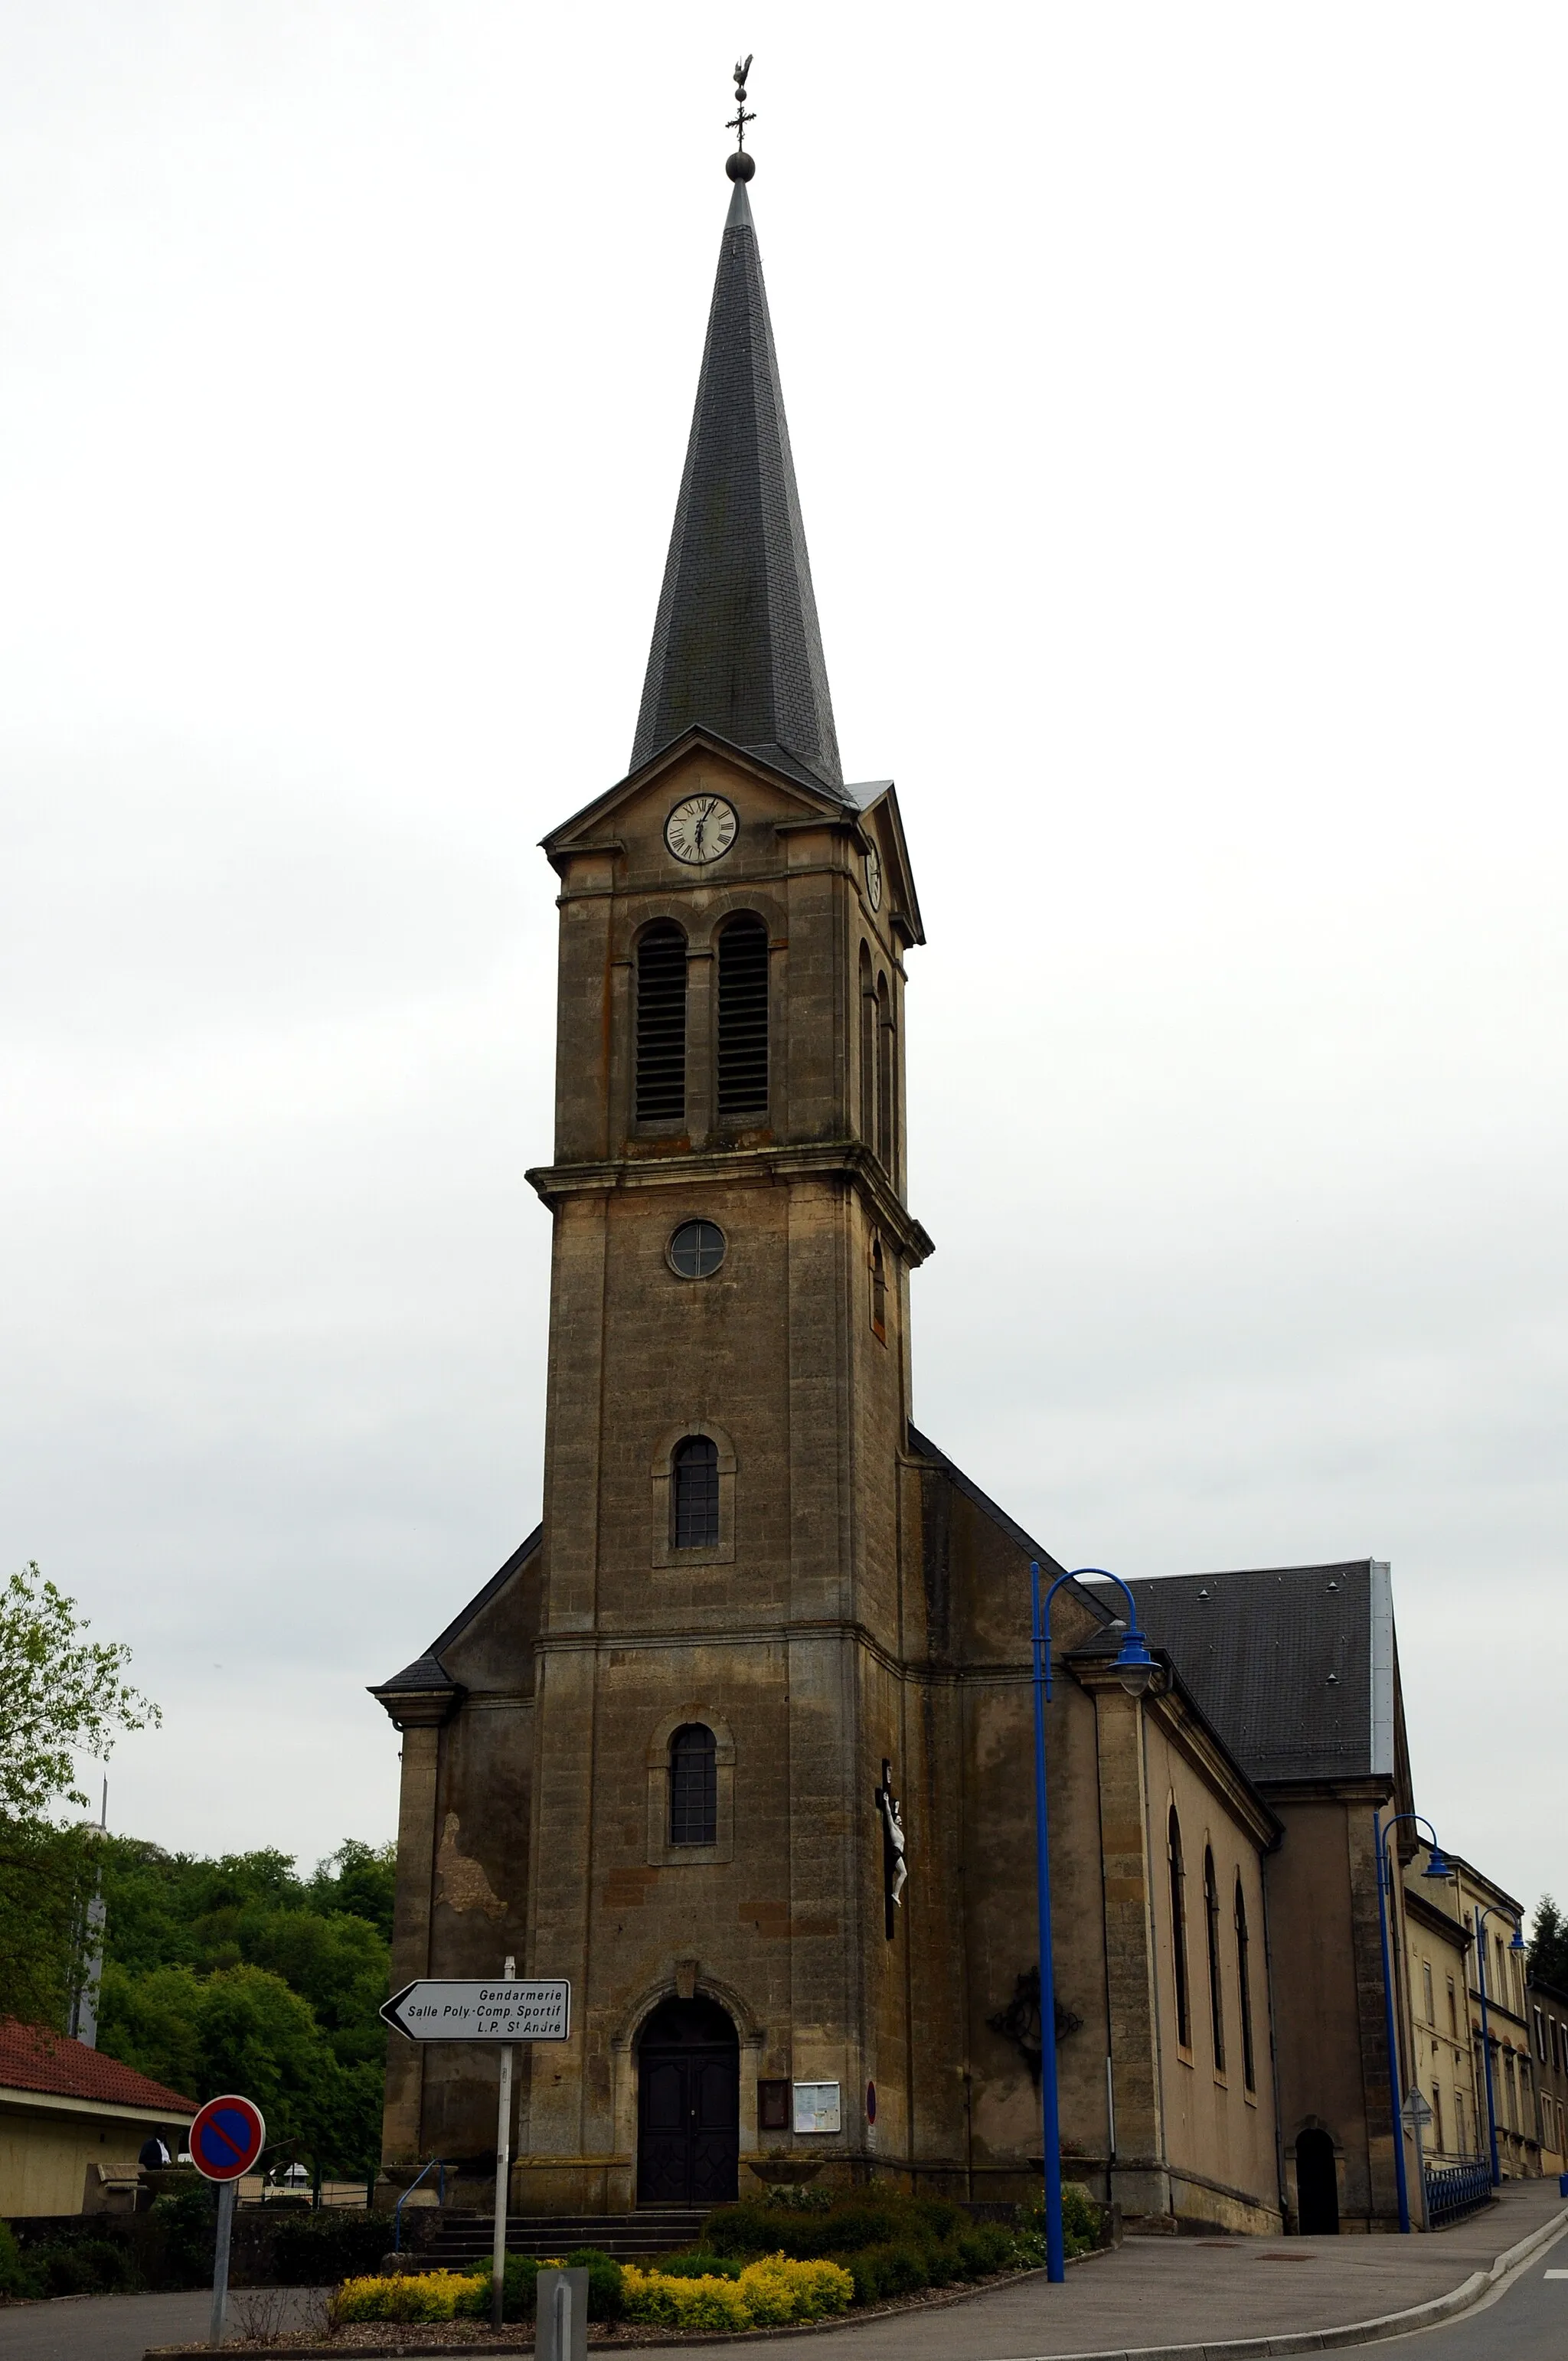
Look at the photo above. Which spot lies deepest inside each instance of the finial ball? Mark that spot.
(739, 165)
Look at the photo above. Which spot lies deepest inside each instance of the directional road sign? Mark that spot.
(435, 2011)
(226, 2137)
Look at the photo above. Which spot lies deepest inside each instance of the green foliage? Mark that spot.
(701, 2265)
(185, 2220)
(15, 2277)
(1549, 1944)
(238, 1974)
(46, 1877)
(1082, 2223)
(59, 1694)
(607, 2292)
(798, 2197)
(853, 2221)
(319, 2249)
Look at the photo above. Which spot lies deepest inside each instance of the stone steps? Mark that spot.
(652, 2230)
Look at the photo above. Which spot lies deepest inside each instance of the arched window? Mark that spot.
(868, 1050)
(1243, 1975)
(662, 1024)
(694, 1507)
(694, 1786)
(1178, 1931)
(879, 1290)
(744, 1019)
(1211, 1931)
(887, 1066)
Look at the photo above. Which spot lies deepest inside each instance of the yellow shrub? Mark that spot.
(777, 2290)
(766, 2294)
(666, 2302)
(413, 2295)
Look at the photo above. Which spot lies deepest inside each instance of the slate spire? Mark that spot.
(736, 644)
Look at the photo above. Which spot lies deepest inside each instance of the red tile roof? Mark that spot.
(33, 2058)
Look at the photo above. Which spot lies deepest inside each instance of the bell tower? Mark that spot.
(727, 1463)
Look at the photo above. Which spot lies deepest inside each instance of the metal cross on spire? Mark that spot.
(739, 119)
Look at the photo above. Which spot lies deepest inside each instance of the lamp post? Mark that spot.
(1517, 1945)
(1437, 1867)
(1136, 1668)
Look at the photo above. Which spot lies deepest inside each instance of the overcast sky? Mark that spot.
(1178, 397)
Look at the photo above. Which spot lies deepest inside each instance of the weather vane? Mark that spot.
(739, 165)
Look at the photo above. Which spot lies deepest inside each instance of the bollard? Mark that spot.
(560, 2313)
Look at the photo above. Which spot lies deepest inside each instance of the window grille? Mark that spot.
(696, 1493)
(744, 1019)
(1179, 1932)
(886, 1128)
(662, 1024)
(1212, 1930)
(868, 1050)
(694, 1786)
(1243, 1977)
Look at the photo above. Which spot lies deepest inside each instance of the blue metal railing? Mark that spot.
(438, 2166)
(1457, 2189)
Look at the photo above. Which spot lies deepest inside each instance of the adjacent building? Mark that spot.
(72, 2122)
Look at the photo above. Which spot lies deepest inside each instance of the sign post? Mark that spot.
(227, 2139)
(1417, 2113)
(514, 2009)
(503, 2180)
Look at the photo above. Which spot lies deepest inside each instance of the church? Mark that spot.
(739, 1739)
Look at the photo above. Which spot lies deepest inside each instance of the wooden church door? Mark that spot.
(688, 2106)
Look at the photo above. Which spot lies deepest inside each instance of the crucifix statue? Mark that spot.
(894, 1843)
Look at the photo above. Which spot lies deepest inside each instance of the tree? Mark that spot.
(1549, 1944)
(59, 1694)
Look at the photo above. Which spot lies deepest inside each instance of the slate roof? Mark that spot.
(428, 1672)
(1293, 1665)
(33, 2058)
(736, 648)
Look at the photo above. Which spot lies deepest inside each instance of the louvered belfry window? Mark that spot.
(662, 1024)
(696, 1493)
(744, 1019)
(694, 1786)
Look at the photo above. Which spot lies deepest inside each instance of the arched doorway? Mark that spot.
(688, 2106)
(1317, 2185)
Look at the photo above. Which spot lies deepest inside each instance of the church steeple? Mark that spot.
(736, 644)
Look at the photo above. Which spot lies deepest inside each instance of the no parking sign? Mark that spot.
(226, 2137)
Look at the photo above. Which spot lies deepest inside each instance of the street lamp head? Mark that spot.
(1437, 1864)
(1134, 1668)
(1518, 1943)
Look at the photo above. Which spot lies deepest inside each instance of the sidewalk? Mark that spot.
(1154, 2293)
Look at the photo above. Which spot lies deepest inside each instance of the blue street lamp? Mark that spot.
(1437, 1867)
(1517, 1945)
(1136, 1668)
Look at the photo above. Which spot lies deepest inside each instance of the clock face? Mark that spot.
(873, 878)
(701, 828)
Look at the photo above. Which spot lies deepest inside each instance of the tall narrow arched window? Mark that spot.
(887, 1066)
(868, 1050)
(1178, 1931)
(662, 1024)
(879, 1290)
(1212, 1935)
(694, 1786)
(1243, 1976)
(695, 1503)
(744, 1019)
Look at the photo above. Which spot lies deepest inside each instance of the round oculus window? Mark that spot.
(696, 1250)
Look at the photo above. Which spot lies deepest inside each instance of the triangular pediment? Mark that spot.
(593, 826)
